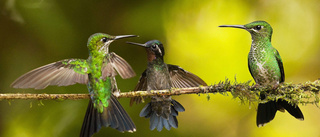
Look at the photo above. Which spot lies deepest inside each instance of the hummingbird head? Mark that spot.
(154, 49)
(257, 29)
(99, 42)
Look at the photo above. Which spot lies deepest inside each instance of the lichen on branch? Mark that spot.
(304, 93)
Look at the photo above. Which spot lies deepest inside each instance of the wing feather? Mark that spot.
(141, 86)
(62, 73)
(119, 64)
(183, 79)
(280, 64)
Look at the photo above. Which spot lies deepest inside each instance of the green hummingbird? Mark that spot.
(162, 110)
(98, 72)
(266, 68)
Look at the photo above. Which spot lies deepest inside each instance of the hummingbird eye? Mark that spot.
(154, 46)
(258, 27)
(104, 39)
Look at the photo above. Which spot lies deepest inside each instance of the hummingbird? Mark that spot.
(266, 68)
(98, 73)
(162, 110)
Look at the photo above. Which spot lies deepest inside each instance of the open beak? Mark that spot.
(234, 26)
(124, 36)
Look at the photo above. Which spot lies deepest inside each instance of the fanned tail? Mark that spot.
(162, 114)
(294, 110)
(267, 111)
(113, 116)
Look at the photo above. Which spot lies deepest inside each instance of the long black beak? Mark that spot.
(234, 26)
(143, 45)
(125, 36)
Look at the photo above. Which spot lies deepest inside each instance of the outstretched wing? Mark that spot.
(62, 73)
(280, 64)
(182, 79)
(142, 83)
(115, 62)
(141, 86)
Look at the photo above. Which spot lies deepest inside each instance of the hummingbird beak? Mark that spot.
(234, 26)
(124, 36)
(143, 45)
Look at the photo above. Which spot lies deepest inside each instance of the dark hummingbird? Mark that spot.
(162, 110)
(266, 68)
(98, 72)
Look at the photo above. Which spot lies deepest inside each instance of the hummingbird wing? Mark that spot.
(142, 83)
(61, 73)
(250, 68)
(280, 64)
(115, 62)
(141, 86)
(182, 79)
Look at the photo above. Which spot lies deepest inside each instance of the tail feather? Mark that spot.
(154, 120)
(294, 110)
(177, 106)
(158, 120)
(160, 123)
(173, 121)
(267, 111)
(113, 119)
(166, 124)
(174, 112)
(85, 131)
(113, 116)
(124, 121)
(145, 112)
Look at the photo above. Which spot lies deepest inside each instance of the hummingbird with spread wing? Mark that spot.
(162, 110)
(98, 73)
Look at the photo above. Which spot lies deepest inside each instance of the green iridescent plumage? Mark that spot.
(80, 65)
(266, 68)
(98, 72)
(99, 88)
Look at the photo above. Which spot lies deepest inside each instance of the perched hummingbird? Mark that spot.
(162, 110)
(98, 72)
(266, 68)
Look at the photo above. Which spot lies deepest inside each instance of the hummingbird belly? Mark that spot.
(265, 75)
(264, 68)
(159, 79)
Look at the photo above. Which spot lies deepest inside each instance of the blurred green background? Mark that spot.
(37, 32)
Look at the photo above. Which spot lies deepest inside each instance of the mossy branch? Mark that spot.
(305, 93)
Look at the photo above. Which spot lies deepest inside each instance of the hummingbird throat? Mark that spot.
(151, 56)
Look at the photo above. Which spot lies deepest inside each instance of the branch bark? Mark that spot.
(305, 93)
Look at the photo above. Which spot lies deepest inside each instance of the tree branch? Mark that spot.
(43, 96)
(305, 93)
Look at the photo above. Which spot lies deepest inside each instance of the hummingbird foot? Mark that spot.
(117, 93)
(275, 86)
(256, 86)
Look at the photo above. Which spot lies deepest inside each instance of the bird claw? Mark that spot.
(117, 93)
(275, 86)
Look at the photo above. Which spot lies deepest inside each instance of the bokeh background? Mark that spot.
(37, 32)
